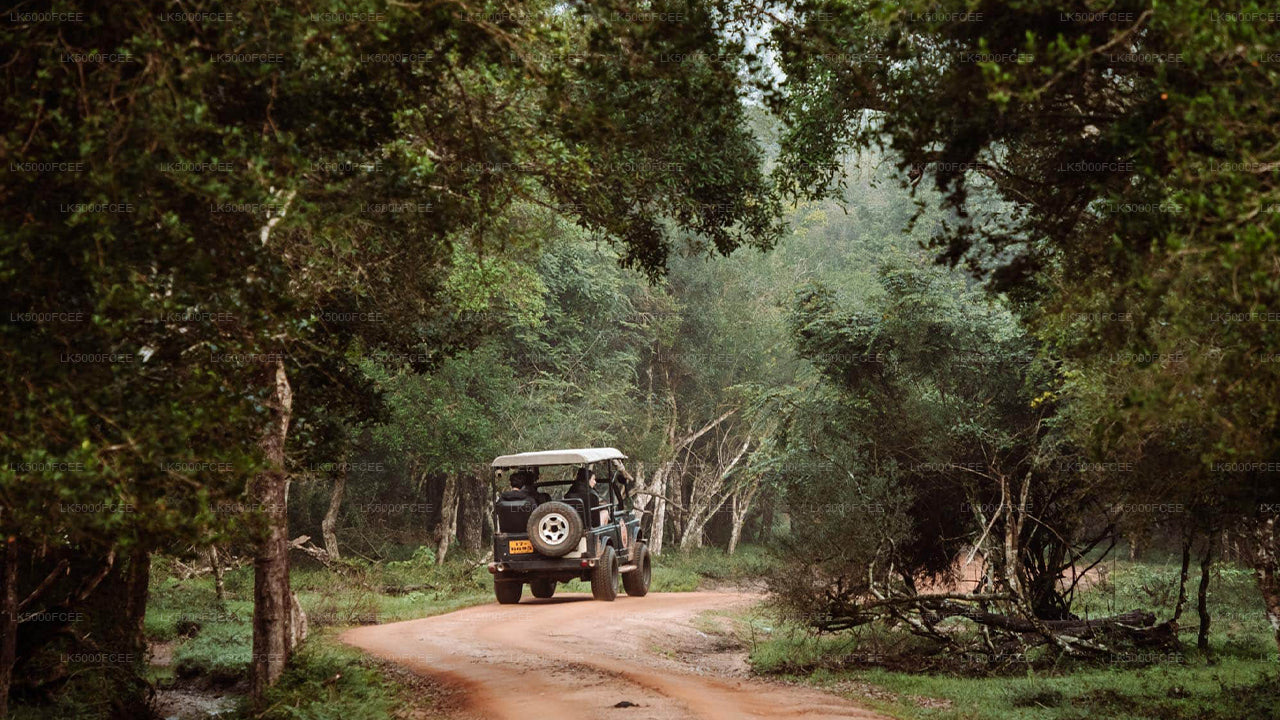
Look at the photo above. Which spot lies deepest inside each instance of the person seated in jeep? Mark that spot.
(584, 488)
(522, 488)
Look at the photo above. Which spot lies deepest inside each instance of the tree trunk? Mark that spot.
(137, 588)
(273, 608)
(659, 510)
(707, 493)
(329, 526)
(8, 619)
(740, 506)
(297, 623)
(448, 517)
(1182, 577)
(219, 587)
(735, 525)
(1011, 577)
(486, 509)
(1202, 598)
(472, 511)
(692, 537)
(1266, 568)
(765, 528)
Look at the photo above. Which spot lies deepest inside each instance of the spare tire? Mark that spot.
(554, 528)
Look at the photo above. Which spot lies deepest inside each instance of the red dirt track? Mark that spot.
(570, 657)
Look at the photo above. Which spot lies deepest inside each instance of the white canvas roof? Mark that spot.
(578, 456)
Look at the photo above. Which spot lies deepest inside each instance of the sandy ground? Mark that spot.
(571, 657)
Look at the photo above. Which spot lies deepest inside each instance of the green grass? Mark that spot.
(1231, 689)
(214, 640)
(676, 571)
(698, 569)
(326, 681)
(1237, 678)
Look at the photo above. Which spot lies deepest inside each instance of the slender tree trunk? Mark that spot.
(472, 511)
(448, 517)
(219, 587)
(1011, 577)
(1266, 568)
(486, 491)
(707, 494)
(740, 507)
(1202, 598)
(692, 537)
(297, 623)
(273, 607)
(735, 527)
(765, 529)
(1182, 577)
(679, 518)
(329, 526)
(659, 510)
(137, 589)
(693, 520)
(8, 618)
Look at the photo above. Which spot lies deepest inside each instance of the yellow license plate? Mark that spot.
(519, 546)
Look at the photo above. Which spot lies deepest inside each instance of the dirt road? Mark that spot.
(570, 657)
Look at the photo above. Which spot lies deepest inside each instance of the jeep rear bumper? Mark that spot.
(515, 568)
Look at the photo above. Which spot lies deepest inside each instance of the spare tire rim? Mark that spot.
(553, 529)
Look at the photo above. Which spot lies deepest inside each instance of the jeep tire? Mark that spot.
(554, 528)
(542, 588)
(636, 582)
(604, 578)
(508, 591)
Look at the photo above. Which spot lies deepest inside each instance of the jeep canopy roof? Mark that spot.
(579, 456)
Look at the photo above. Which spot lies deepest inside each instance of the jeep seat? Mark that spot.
(580, 508)
(513, 510)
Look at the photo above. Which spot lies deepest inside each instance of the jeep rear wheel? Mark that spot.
(636, 582)
(554, 528)
(604, 578)
(508, 591)
(542, 588)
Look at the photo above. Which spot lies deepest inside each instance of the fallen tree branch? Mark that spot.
(304, 544)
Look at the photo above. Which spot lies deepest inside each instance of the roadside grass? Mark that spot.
(711, 567)
(213, 640)
(328, 681)
(1237, 678)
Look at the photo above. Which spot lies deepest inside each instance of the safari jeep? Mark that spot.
(566, 514)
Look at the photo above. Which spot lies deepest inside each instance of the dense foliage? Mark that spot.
(1113, 170)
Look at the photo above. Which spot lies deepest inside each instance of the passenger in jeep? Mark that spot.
(522, 488)
(584, 488)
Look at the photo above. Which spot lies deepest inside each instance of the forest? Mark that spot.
(949, 332)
